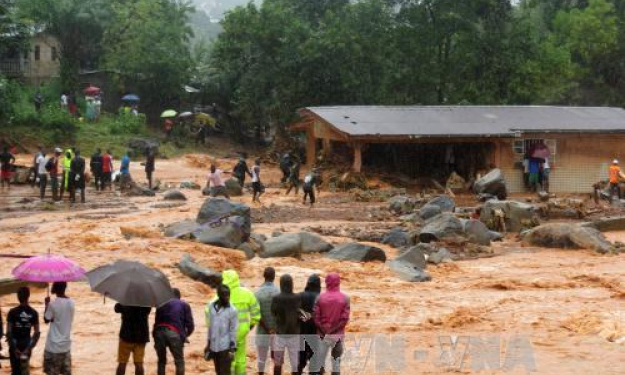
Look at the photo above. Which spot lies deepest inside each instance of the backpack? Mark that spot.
(50, 164)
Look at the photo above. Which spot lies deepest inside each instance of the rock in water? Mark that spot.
(181, 229)
(141, 146)
(397, 238)
(444, 202)
(358, 252)
(313, 243)
(429, 211)
(410, 265)
(215, 209)
(477, 232)
(234, 187)
(518, 215)
(174, 195)
(442, 255)
(440, 227)
(401, 205)
(456, 183)
(196, 272)
(568, 236)
(229, 233)
(285, 245)
(492, 183)
(190, 185)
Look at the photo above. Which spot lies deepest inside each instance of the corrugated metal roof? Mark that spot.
(468, 121)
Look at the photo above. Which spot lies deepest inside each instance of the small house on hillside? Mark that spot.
(37, 64)
(433, 141)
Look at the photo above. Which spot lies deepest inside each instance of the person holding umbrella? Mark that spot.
(134, 334)
(59, 314)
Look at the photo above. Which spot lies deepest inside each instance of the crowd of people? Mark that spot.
(305, 327)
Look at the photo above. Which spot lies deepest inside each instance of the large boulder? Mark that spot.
(397, 238)
(441, 256)
(358, 252)
(410, 265)
(251, 248)
(174, 195)
(182, 229)
(313, 243)
(141, 146)
(492, 183)
(229, 233)
(606, 224)
(518, 215)
(190, 185)
(429, 211)
(477, 232)
(136, 190)
(285, 245)
(216, 209)
(444, 202)
(196, 272)
(402, 204)
(443, 226)
(568, 236)
(233, 186)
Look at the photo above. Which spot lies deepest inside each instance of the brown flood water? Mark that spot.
(568, 307)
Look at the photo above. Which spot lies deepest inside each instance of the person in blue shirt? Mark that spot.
(125, 179)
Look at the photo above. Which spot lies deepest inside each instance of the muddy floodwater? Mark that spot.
(523, 309)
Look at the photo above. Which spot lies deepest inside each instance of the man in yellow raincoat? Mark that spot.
(67, 163)
(248, 311)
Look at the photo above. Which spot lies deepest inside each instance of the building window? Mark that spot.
(520, 147)
(37, 53)
(55, 56)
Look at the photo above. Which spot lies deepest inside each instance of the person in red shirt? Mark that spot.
(53, 169)
(107, 170)
(169, 127)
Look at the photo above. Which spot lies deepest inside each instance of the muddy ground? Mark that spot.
(553, 311)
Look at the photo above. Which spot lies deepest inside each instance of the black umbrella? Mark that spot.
(131, 284)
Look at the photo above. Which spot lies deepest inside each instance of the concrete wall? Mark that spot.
(580, 161)
(46, 67)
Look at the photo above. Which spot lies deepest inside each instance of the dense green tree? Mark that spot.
(148, 43)
(77, 24)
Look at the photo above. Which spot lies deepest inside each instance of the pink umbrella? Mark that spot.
(49, 269)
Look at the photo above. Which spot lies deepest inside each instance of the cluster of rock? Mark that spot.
(233, 187)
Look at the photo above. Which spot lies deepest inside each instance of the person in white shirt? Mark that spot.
(545, 175)
(216, 184)
(64, 100)
(60, 315)
(42, 173)
(257, 186)
(222, 320)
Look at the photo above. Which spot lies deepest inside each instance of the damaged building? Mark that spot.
(433, 141)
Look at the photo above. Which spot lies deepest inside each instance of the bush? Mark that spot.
(127, 124)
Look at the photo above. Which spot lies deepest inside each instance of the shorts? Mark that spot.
(126, 348)
(534, 179)
(257, 187)
(218, 190)
(6, 175)
(57, 363)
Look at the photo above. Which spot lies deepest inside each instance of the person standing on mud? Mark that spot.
(21, 321)
(216, 185)
(172, 327)
(53, 169)
(59, 314)
(308, 330)
(96, 169)
(267, 325)
(6, 167)
(310, 182)
(34, 170)
(124, 171)
(285, 165)
(134, 334)
(42, 174)
(285, 308)
(257, 186)
(107, 170)
(331, 315)
(240, 170)
(615, 179)
(67, 164)
(150, 166)
(293, 181)
(77, 178)
(222, 320)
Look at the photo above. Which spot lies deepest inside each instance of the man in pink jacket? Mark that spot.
(331, 315)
